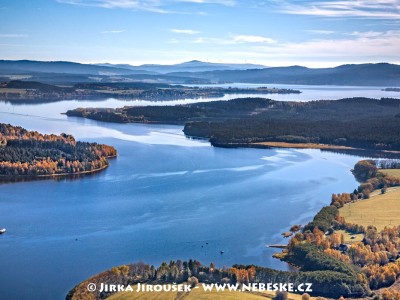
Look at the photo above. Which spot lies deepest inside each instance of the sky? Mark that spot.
(273, 33)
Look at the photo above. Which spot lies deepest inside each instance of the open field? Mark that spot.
(350, 238)
(199, 294)
(391, 172)
(379, 211)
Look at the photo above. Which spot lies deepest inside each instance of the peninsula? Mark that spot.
(18, 91)
(345, 124)
(28, 155)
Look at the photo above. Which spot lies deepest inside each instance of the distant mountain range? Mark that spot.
(66, 67)
(381, 74)
(190, 66)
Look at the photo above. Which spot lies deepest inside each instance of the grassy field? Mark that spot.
(391, 172)
(199, 294)
(301, 145)
(379, 211)
(350, 238)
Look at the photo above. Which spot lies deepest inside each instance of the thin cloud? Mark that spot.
(363, 44)
(112, 31)
(252, 39)
(368, 46)
(12, 35)
(234, 40)
(374, 9)
(323, 32)
(185, 31)
(157, 6)
(221, 2)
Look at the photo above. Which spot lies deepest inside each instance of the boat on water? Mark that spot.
(2, 231)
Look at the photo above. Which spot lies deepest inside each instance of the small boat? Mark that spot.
(2, 231)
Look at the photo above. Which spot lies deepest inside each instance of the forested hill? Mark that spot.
(66, 67)
(382, 74)
(355, 122)
(63, 72)
(26, 153)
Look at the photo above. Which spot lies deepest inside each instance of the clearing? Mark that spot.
(380, 210)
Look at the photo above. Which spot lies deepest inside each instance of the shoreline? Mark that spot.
(17, 178)
(305, 146)
(362, 152)
(161, 94)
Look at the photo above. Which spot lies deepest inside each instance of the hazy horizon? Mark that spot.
(332, 65)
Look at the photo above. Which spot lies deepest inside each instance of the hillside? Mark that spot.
(190, 66)
(382, 74)
(66, 67)
(33, 85)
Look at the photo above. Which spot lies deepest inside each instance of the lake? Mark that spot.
(165, 197)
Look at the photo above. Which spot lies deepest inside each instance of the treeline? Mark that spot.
(178, 271)
(29, 153)
(388, 164)
(367, 172)
(327, 281)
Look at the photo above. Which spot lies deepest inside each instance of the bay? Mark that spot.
(165, 197)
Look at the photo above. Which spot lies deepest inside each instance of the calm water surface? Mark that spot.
(163, 198)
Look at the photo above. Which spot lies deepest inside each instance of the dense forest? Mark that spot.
(29, 153)
(355, 122)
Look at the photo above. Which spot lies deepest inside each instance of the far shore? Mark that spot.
(363, 152)
(303, 146)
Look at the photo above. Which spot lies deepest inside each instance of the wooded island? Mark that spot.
(29, 154)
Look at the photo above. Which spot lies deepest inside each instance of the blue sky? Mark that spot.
(274, 33)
